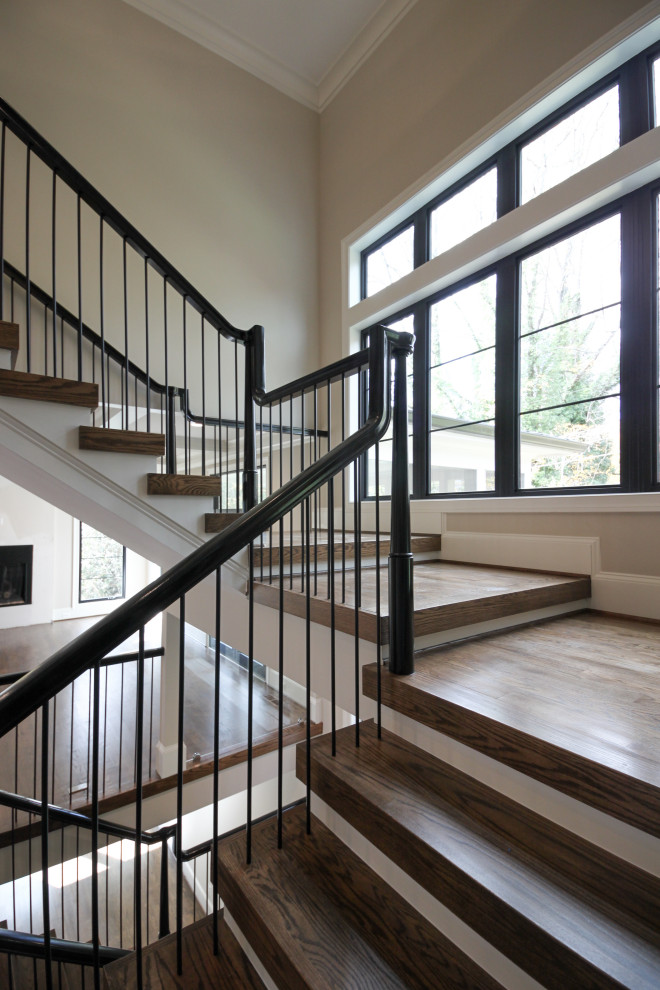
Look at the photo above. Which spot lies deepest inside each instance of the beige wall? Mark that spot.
(443, 74)
(218, 169)
(447, 70)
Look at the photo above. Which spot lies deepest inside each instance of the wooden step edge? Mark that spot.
(555, 937)
(626, 893)
(295, 603)
(319, 917)
(215, 522)
(616, 793)
(183, 484)
(121, 441)
(43, 388)
(230, 969)
(9, 341)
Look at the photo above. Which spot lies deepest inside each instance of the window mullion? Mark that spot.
(638, 350)
(635, 98)
(507, 179)
(421, 374)
(506, 379)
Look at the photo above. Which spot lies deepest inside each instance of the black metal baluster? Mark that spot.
(280, 700)
(126, 388)
(216, 752)
(79, 269)
(308, 669)
(102, 324)
(28, 284)
(261, 487)
(95, 825)
(44, 846)
(164, 905)
(270, 484)
(54, 272)
(179, 787)
(250, 712)
(3, 139)
(344, 493)
(291, 519)
(223, 489)
(331, 572)
(379, 645)
(302, 468)
(73, 709)
(146, 341)
(316, 495)
(121, 725)
(151, 716)
(357, 536)
(186, 452)
(52, 783)
(45, 340)
(237, 458)
(139, 726)
(203, 401)
(105, 724)
(331, 543)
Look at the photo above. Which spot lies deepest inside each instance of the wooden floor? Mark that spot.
(574, 702)
(22, 649)
(447, 595)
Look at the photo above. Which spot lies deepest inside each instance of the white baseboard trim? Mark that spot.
(569, 554)
(626, 594)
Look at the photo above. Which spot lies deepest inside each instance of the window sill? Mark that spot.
(606, 502)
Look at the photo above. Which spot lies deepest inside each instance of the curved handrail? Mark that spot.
(88, 194)
(42, 683)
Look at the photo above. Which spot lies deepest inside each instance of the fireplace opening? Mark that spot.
(15, 575)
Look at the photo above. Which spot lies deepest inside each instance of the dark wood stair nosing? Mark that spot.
(108, 440)
(482, 878)
(45, 388)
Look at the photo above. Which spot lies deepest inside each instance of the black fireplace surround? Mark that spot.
(15, 575)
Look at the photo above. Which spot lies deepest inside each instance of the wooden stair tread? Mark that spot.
(320, 918)
(447, 596)
(43, 388)
(230, 969)
(294, 550)
(215, 522)
(573, 701)
(121, 441)
(183, 484)
(485, 869)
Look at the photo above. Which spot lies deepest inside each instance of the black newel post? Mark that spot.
(400, 564)
(254, 384)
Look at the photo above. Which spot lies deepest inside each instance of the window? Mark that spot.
(570, 343)
(462, 389)
(464, 213)
(389, 262)
(102, 570)
(577, 140)
(540, 373)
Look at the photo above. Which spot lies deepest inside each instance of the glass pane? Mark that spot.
(576, 360)
(468, 211)
(463, 389)
(391, 261)
(385, 469)
(463, 322)
(579, 274)
(571, 447)
(576, 141)
(462, 460)
(101, 566)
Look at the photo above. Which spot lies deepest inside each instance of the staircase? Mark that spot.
(489, 820)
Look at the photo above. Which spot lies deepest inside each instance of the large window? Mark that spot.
(540, 373)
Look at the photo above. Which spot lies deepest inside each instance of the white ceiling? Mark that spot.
(307, 49)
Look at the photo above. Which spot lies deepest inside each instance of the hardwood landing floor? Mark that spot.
(573, 701)
(22, 649)
(447, 595)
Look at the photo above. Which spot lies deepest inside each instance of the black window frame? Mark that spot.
(640, 294)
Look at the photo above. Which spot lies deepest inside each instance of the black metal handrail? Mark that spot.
(42, 683)
(90, 195)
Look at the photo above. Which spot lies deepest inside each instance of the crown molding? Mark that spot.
(181, 17)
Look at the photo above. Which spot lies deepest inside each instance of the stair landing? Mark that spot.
(573, 702)
(447, 596)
